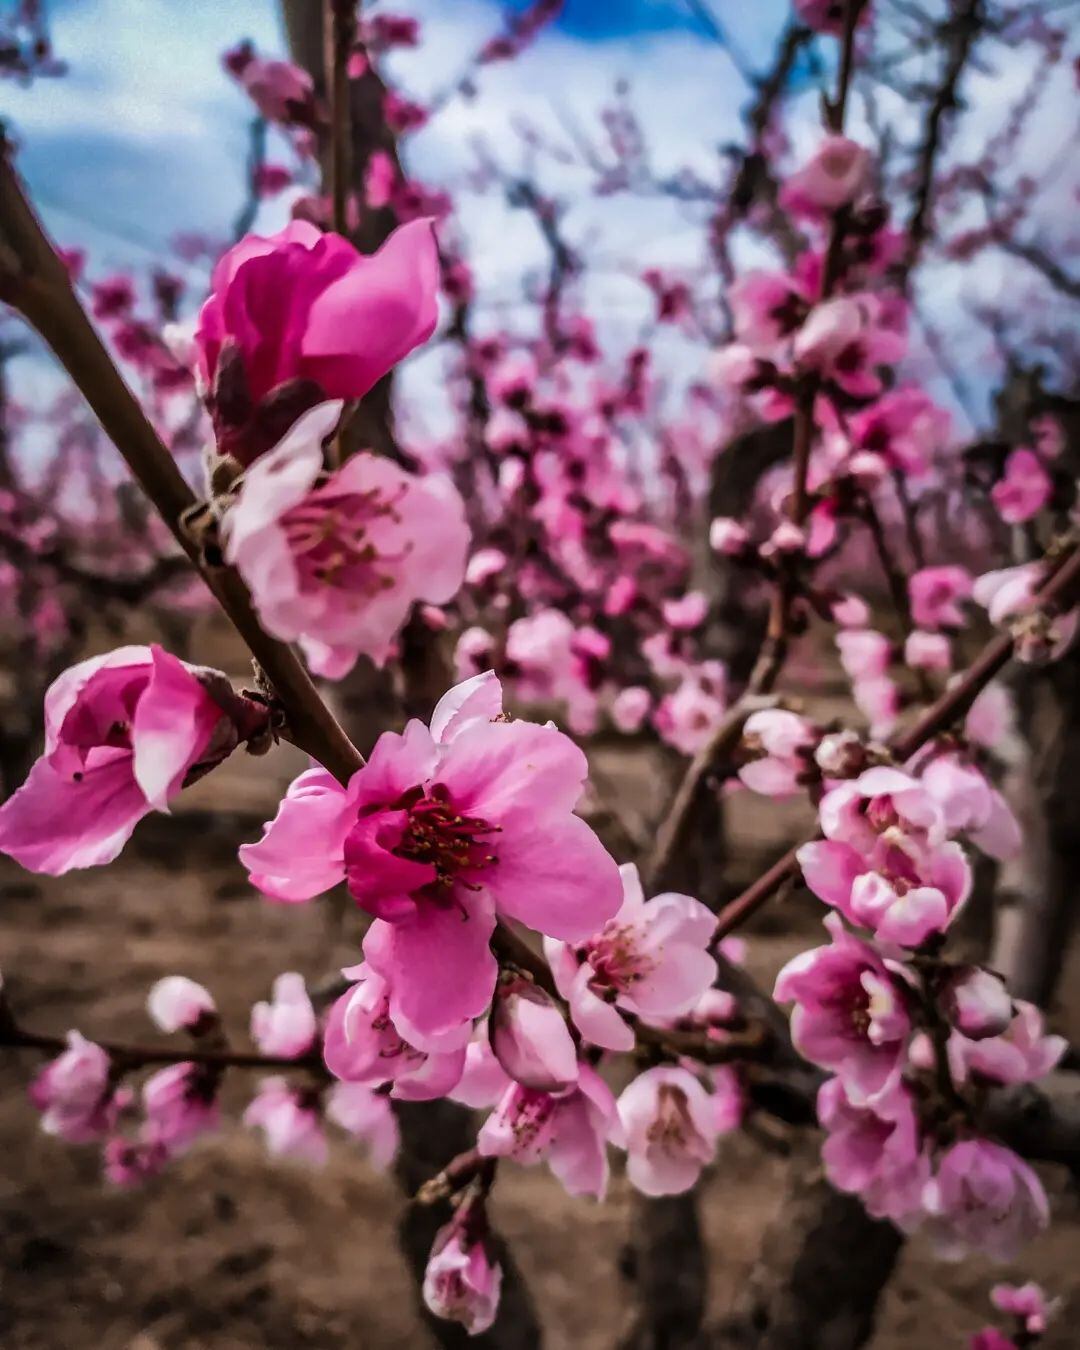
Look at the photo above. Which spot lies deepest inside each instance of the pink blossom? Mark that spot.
(649, 960)
(570, 1131)
(303, 317)
(984, 1199)
(463, 1280)
(179, 1103)
(484, 565)
(686, 717)
(874, 1151)
(728, 537)
(122, 734)
(361, 1044)
(850, 611)
(367, 1116)
(840, 754)
(991, 719)
(882, 803)
(670, 1130)
(380, 174)
(972, 806)
(844, 340)
(483, 1080)
(785, 539)
(282, 92)
(630, 707)
(935, 593)
(439, 833)
(864, 653)
(1024, 490)
(977, 1003)
(686, 612)
(176, 1002)
(782, 743)
(1027, 1303)
(290, 1121)
(1022, 1053)
(529, 1037)
(766, 308)
(927, 651)
(337, 561)
(130, 1162)
(878, 699)
(849, 1015)
(837, 173)
(287, 1024)
(72, 1092)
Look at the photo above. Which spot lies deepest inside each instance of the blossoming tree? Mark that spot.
(578, 545)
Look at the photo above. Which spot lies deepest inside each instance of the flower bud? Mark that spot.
(530, 1038)
(176, 1002)
(462, 1280)
(978, 1004)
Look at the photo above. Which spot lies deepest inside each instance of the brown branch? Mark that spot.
(339, 31)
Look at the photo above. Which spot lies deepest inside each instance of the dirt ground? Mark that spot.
(230, 1251)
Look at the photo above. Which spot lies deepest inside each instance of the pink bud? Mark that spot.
(176, 1002)
(530, 1038)
(978, 1004)
(630, 707)
(462, 1280)
(287, 1025)
(727, 536)
(927, 651)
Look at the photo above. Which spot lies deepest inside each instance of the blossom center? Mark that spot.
(330, 539)
(435, 833)
(616, 959)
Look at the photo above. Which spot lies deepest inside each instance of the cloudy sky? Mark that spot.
(145, 136)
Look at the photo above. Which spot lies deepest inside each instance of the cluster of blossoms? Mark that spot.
(910, 1038)
(83, 1096)
(1030, 1312)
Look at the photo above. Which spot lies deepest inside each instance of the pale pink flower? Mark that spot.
(874, 1151)
(439, 833)
(462, 1280)
(845, 340)
(570, 1131)
(303, 317)
(1009, 593)
(850, 611)
(864, 653)
(630, 707)
(878, 699)
(72, 1092)
(686, 612)
(649, 960)
(977, 1003)
(176, 1002)
(287, 1024)
(529, 1037)
(180, 1104)
(879, 804)
(935, 593)
(785, 539)
(367, 1116)
(361, 1044)
(836, 174)
(1022, 1053)
(767, 308)
(1024, 489)
(483, 1080)
(484, 565)
(849, 1015)
(984, 1199)
(734, 366)
(336, 562)
(927, 651)
(782, 743)
(290, 1120)
(1027, 1303)
(728, 537)
(670, 1130)
(991, 719)
(972, 806)
(122, 734)
(686, 717)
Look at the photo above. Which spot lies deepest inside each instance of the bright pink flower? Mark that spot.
(1022, 1053)
(287, 1024)
(72, 1093)
(977, 1003)
(439, 833)
(670, 1130)
(122, 734)
(302, 317)
(180, 1104)
(875, 806)
(529, 1037)
(367, 1116)
(837, 173)
(650, 960)
(767, 308)
(935, 593)
(1027, 1302)
(850, 611)
(844, 340)
(570, 1131)
(176, 1002)
(289, 1119)
(849, 1015)
(1024, 490)
(991, 719)
(782, 742)
(927, 651)
(337, 561)
(462, 1280)
(874, 1151)
(483, 1080)
(362, 1044)
(984, 1199)
(282, 92)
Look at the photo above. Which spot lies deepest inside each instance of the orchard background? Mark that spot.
(740, 439)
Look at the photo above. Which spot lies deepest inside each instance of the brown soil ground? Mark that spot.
(230, 1251)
